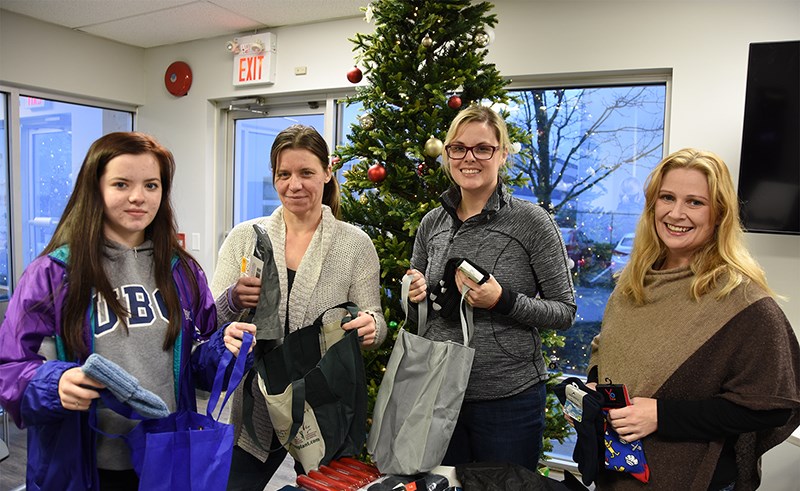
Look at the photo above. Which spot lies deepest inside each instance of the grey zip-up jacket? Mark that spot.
(519, 243)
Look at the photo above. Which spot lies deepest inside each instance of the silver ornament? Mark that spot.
(367, 121)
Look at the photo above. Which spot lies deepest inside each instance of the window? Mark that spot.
(4, 205)
(54, 139)
(347, 116)
(253, 193)
(44, 142)
(591, 151)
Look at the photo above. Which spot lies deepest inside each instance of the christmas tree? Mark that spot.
(424, 62)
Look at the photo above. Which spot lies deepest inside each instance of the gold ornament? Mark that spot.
(433, 147)
(367, 121)
(482, 39)
(427, 41)
(490, 33)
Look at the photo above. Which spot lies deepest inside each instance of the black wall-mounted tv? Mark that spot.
(769, 172)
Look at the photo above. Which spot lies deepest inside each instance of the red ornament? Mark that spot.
(454, 102)
(355, 75)
(421, 168)
(376, 173)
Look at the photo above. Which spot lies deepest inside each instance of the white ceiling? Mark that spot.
(150, 23)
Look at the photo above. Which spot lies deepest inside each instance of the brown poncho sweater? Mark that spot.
(740, 348)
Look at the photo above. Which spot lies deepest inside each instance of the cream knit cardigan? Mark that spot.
(339, 265)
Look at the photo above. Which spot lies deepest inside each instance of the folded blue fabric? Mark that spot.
(125, 387)
(624, 456)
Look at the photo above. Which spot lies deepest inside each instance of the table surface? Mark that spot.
(795, 437)
(442, 470)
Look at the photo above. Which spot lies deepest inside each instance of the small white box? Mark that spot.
(473, 274)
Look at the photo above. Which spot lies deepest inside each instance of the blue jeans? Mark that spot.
(500, 430)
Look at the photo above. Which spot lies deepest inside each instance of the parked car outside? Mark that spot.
(621, 253)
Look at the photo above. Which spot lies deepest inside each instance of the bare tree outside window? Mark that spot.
(590, 152)
(591, 149)
(595, 130)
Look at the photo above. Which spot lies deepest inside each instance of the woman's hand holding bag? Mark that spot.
(420, 395)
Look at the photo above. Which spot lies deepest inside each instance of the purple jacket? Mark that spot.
(61, 445)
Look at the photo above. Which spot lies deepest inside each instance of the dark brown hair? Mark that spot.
(81, 229)
(303, 137)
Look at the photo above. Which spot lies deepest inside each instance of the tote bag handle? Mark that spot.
(465, 311)
(216, 390)
(237, 374)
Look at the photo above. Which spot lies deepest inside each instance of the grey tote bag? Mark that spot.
(420, 396)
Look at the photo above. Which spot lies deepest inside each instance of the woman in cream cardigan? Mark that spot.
(321, 262)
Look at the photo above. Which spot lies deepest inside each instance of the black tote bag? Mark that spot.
(317, 402)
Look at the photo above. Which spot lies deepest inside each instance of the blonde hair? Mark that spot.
(476, 113)
(723, 258)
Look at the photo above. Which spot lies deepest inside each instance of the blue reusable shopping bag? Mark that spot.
(188, 451)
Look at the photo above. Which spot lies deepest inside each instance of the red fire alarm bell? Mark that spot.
(178, 78)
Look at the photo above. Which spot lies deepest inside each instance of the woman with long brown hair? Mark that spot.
(113, 281)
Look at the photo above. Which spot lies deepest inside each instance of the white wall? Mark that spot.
(704, 44)
(188, 125)
(43, 56)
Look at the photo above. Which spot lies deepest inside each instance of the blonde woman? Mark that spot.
(530, 288)
(692, 329)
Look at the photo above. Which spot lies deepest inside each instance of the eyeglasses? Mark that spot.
(480, 152)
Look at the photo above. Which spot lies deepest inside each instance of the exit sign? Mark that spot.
(255, 62)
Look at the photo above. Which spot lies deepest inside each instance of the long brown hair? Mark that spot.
(81, 229)
(303, 137)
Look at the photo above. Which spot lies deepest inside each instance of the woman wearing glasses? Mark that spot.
(530, 288)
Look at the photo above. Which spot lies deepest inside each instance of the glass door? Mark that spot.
(253, 134)
(54, 138)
